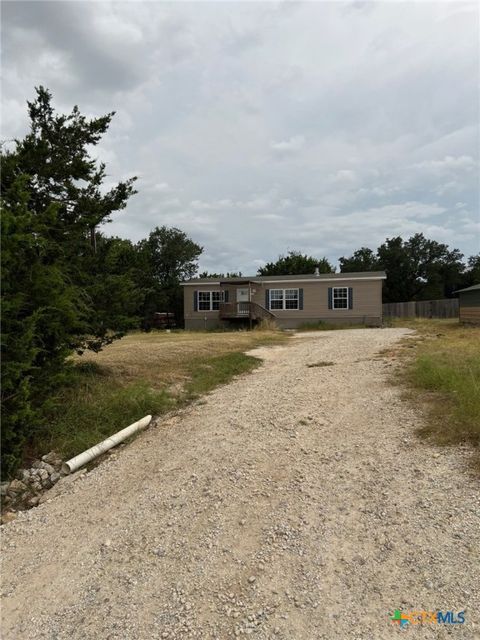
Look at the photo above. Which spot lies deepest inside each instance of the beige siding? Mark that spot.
(367, 302)
(367, 299)
(188, 293)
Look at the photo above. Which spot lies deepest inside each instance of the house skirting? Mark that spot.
(294, 323)
(198, 324)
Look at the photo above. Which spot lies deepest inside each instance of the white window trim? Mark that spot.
(283, 308)
(334, 308)
(210, 310)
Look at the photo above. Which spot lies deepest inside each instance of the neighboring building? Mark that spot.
(469, 304)
(290, 300)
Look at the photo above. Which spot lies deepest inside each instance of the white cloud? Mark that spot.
(448, 164)
(296, 143)
(161, 187)
(343, 176)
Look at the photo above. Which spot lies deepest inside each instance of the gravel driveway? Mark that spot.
(295, 503)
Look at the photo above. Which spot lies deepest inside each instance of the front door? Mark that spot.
(243, 295)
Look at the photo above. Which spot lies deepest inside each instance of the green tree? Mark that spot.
(52, 201)
(111, 282)
(472, 273)
(419, 269)
(165, 258)
(363, 259)
(295, 263)
(232, 274)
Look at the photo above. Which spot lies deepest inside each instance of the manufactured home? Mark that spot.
(347, 298)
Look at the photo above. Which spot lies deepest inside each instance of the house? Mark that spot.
(469, 304)
(290, 301)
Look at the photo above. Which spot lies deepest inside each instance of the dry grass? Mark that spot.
(267, 324)
(141, 374)
(443, 371)
(165, 359)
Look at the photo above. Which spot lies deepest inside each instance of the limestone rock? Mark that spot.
(16, 486)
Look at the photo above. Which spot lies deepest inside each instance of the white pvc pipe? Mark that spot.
(90, 454)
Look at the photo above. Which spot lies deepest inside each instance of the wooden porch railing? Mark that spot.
(250, 310)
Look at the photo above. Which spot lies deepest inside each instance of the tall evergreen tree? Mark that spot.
(51, 204)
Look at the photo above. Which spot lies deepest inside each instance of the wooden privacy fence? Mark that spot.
(422, 309)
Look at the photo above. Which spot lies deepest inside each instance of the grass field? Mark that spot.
(445, 374)
(142, 373)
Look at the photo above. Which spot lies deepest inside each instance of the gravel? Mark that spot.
(295, 503)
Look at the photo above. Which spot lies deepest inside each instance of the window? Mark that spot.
(276, 299)
(217, 298)
(284, 299)
(291, 298)
(209, 300)
(340, 297)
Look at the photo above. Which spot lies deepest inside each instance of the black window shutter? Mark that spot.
(195, 300)
(267, 299)
(225, 295)
(300, 299)
(350, 298)
(330, 298)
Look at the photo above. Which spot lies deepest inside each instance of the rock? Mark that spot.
(251, 579)
(33, 501)
(55, 477)
(43, 474)
(52, 458)
(8, 516)
(4, 488)
(48, 468)
(16, 486)
(23, 475)
(62, 485)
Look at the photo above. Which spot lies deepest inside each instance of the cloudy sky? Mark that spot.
(263, 127)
